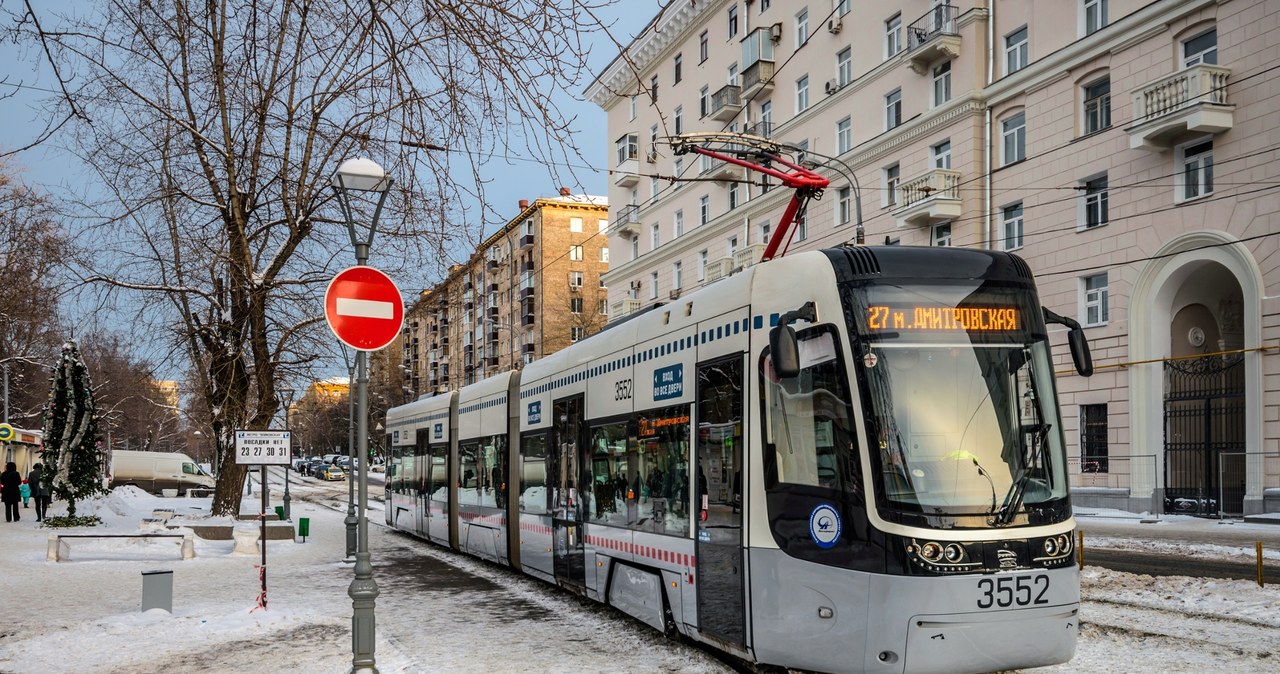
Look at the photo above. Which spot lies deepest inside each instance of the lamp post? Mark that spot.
(287, 392)
(350, 520)
(362, 175)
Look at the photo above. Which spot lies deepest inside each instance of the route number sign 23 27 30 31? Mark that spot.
(262, 448)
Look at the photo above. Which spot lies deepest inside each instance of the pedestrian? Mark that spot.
(10, 490)
(26, 494)
(39, 491)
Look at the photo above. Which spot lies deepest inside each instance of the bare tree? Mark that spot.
(215, 128)
(136, 410)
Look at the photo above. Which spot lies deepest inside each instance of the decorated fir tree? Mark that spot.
(72, 459)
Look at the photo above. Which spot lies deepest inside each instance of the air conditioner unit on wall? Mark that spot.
(775, 32)
(652, 155)
(831, 87)
(834, 26)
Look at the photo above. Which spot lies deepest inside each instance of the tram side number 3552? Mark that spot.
(1006, 591)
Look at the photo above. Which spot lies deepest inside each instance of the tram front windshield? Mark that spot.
(960, 405)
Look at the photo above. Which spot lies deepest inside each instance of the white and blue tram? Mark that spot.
(847, 460)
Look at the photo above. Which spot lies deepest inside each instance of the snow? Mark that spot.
(442, 612)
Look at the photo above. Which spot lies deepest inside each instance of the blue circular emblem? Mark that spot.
(824, 525)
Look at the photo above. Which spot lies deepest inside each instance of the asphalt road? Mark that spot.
(1169, 548)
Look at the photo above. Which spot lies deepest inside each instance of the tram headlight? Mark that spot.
(954, 553)
(1051, 546)
(1064, 543)
(931, 552)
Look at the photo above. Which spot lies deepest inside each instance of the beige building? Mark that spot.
(1125, 149)
(532, 288)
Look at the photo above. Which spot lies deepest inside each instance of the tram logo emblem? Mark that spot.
(535, 412)
(824, 525)
(668, 382)
(1008, 559)
(438, 430)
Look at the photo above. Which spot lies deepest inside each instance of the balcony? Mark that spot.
(929, 198)
(762, 129)
(627, 173)
(628, 221)
(717, 169)
(526, 241)
(747, 255)
(719, 269)
(624, 307)
(527, 320)
(933, 37)
(757, 79)
(527, 348)
(1188, 102)
(492, 312)
(726, 103)
(493, 263)
(493, 288)
(526, 292)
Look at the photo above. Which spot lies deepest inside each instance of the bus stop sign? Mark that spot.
(364, 308)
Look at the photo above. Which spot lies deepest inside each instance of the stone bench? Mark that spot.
(60, 551)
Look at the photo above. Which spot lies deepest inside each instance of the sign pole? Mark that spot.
(262, 449)
(262, 598)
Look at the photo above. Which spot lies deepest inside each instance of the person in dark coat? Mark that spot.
(11, 492)
(39, 491)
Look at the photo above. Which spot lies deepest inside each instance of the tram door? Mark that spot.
(567, 513)
(721, 572)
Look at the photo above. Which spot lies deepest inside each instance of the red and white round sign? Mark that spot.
(364, 308)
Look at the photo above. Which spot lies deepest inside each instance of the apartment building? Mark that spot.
(1125, 149)
(532, 288)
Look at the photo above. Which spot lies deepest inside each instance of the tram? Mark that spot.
(848, 460)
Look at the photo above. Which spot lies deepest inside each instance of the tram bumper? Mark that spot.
(990, 642)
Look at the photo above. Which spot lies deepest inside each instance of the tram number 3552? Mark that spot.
(1007, 591)
(622, 390)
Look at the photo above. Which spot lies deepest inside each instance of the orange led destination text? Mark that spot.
(972, 319)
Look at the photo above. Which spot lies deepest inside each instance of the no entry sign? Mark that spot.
(364, 308)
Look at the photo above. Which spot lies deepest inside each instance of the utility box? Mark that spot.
(157, 590)
(304, 528)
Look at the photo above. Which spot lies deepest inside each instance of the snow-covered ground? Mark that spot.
(83, 615)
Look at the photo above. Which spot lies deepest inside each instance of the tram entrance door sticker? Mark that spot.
(824, 525)
(668, 382)
(535, 412)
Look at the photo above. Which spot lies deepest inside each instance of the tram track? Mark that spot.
(1193, 632)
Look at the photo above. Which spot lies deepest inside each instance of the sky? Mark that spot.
(439, 611)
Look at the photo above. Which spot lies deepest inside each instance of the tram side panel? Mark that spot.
(482, 463)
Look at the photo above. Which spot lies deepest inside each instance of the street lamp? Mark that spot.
(350, 520)
(362, 175)
(287, 393)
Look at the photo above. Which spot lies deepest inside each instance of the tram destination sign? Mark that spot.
(255, 448)
(943, 318)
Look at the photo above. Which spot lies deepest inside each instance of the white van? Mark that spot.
(156, 471)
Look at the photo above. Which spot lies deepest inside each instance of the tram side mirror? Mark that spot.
(1076, 342)
(1080, 351)
(784, 351)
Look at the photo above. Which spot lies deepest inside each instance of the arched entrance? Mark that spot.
(1197, 409)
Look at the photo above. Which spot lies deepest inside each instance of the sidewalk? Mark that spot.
(1206, 537)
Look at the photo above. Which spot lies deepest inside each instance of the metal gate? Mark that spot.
(1203, 434)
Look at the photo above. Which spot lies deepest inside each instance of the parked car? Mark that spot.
(331, 472)
(298, 463)
(313, 467)
(156, 471)
(344, 462)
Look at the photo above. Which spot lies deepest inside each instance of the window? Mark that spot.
(704, 101)
(702, 265)
(604, 255)
(575, 305)
(764, 4)
(1093, 438)
(628, 148)
(679, 119)
(733, 21)
(802, 94)
(1097, 105)
(891, 178)
(575, 279)
(942, 234)
(603, 223)
(1095, 202)
(1095, 16)
(704, 209)
(802, 227)
(1197, 170)
(1013, 131)
(1015, 51)
(677, 226)
(844, 135)
(653, 285)
(575, 224)
(842, 7)
(764, 232)
(732, 245)
(653, 89)
(635, 246)
(942, 83)
(941, 154)
(575, 253)
(1095, 299)
(733, 195)
(528, 227)
(802, 28)
(893, 109)
(577, 332)
(1202, 48)
(676, 279)
(653, 189)
(679, 168)
(765, 127)
(893, 35)
(844, 66)
(703, 51)
(843, 202)
(677, 66)
(1011, 221)
(653, 236)
(633, 108)
(603, 309)
(731, 74)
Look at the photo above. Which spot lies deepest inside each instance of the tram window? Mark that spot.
(404, 474)
(533, 474)
(614, 497)
(493, 471)
(422, 458)
(469, 473)
(808, 419)
(438, 477)
(663, 437)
